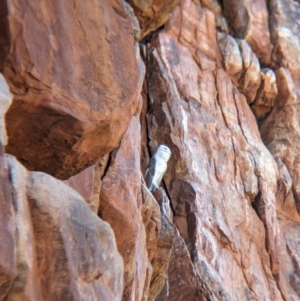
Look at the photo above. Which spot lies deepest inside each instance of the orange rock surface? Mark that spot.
(90, 90)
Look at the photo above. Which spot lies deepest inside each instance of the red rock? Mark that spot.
(144, 135)
(121, 205)
(64, 251)
(88, 183)
(219, 166)
(75, 79)
(164, 245)
(151, 219)
(231, 55)
(266, 94)
(250, 78)
(280, 133)
(152, 14)
(8, 262)
(241, 64)
(284, 28)
(249, 20)
(235, 203)
(26, 285)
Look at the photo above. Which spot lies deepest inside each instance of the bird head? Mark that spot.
(164, 152)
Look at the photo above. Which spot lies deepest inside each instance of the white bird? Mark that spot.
(157, 167)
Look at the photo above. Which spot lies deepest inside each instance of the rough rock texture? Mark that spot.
(266, 94)
(8, 264)
(120, 206)
(281, 134)
(164, 245)
(248, 19)
(62, 250)
(152, 14)
(88, 183)
(221, 89)
(181, 282)
(220, 168)
(66, 66)
(157, 218)
(152, 223)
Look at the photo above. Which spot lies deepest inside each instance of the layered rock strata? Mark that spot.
(66, 67)
(215, 81)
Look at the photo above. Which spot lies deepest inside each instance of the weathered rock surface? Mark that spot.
(152, 223)
(281, 134)
(219, 169)
(152, 13)
(121, 205)
(88, 183)
(249, 20)
(266, 94)
(242, 64)
(62, 250)
(66, 68)
(285, 28)
(164, 245)
(157, 218)
(225, 224)
(8, 264)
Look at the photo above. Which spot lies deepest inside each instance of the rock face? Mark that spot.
(8, 264)
(61, 250)
(66, 69)
(152, 14)
(219, 169)
(281, 134)
(215, 81)
(120, 206)
(248, 19)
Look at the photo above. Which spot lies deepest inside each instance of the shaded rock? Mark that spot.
(26, 285)
(250, 78)
(8, 261)
(181, 275)
(152, 14)
(152, 223)
(287, 92)
(285, 28)
(281, 133)
(88, 183)
(266, 94)
(219, 165)
(241, 64)
(151, 219)
(231, 55)
(144, 135)
(66, 68)
(248, 19)
(162, 254)
(121, 206)
(60, 243)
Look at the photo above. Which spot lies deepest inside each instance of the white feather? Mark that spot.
(157, 167)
